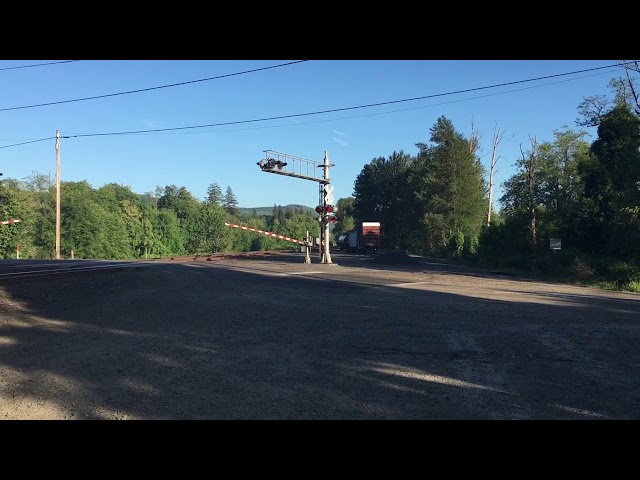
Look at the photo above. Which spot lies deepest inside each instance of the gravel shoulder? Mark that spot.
(278, 339)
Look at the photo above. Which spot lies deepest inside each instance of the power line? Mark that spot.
(31, 141)
(38, 65)
(387, 112)
(139, 132)
(152, 88)
(319, 112)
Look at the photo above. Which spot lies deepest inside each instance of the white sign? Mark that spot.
(555, 243)
(328, 199)
(328, 189)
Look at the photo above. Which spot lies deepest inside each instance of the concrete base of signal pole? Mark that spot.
(326, 256)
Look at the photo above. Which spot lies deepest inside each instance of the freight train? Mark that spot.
(365, 238)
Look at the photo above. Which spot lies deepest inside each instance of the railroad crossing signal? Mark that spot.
(292, 166)
(271, 163)
(327, 209)
(276, 162)
(328, 197)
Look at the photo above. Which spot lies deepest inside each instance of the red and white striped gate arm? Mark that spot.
(8, 222)
(270, 234)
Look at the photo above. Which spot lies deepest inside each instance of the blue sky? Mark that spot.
(227, 155)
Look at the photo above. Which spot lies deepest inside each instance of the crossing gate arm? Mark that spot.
(9, 222)
(269, 234)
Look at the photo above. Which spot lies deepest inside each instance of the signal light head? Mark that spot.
(270, 164)
(329, 208)
(319, 209)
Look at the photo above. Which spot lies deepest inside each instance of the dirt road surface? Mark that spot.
(365, 338)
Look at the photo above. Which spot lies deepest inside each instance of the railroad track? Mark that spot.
(25, 269)
(221, 256)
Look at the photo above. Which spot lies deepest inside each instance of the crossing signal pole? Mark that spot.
(327, 201)
(298, 167)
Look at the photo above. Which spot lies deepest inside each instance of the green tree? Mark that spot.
(611, 180)
(88, 228)
(180, 200)
(381, 195)
(212, 235)
(346, 214)
(171, 238)
(448, 188)
(149, 243)
(296, 226)
(557, 190)
(112, 195)
(529, 164)
(214, 194)
(132, 215)
(149, 199)
(187, 209)
(13, 206)
(230, 202)
(37, 207)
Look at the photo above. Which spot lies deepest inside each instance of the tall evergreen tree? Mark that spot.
(214, 194)
(230, 202)
(448, 187)
(380, 195)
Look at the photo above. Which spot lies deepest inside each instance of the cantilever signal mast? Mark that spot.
(298, 167)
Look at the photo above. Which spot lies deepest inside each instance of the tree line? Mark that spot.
(587, 194)
(113, 222)
(437, 202)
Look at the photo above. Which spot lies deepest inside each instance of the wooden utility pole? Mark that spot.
(57, 194)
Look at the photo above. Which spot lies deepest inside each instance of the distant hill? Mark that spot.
(269, 210)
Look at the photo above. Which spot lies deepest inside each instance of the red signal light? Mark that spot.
(319, 209)
(329, 208)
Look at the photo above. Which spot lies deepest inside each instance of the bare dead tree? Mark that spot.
(592, 109)
(529, 165)
(626, 89)
(497, 138)
(629, 67)
(474, 139)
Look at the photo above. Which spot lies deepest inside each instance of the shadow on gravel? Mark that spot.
(210, 342)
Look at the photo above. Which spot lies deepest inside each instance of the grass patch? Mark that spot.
(571, 267)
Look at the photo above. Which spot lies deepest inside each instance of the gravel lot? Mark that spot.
(273, 338)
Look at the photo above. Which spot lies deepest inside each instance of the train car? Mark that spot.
(365, 238)
(343, 242)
